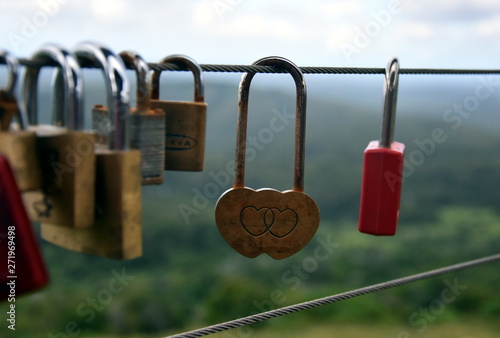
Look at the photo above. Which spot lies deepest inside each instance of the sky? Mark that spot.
(344, 33)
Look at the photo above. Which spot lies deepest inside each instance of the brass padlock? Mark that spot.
(148, 125)
(268, 221)
(66, 154)
(17, 145)
(186, 121)
(116, 232)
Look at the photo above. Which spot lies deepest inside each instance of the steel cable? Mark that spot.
(334, 298)
(306, 70)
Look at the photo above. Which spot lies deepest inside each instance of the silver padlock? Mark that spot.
(147, 131)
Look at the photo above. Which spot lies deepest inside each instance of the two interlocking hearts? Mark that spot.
(278, 223)
(251, 227)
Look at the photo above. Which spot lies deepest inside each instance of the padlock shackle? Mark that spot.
(12, 63)
(133, 60)
(12, 70)
(300, 121)
(391, 82)
(117, 87)
(189, 63)
(70, 112)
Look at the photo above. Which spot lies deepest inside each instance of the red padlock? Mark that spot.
(21, 265)
(383, 168)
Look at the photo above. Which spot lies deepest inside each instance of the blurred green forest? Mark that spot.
(189, 277)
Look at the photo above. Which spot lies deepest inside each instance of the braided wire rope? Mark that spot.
(306, 70)
(334, 298)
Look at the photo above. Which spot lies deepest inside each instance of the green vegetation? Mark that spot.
(189, 277)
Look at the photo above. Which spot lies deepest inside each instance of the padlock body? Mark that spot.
(116, 232)
(67, 163)
(268, 221)
(8, 109)
(148, 135)
(24, 270)
(381, 189)
(19, 147)
(101, 124)
(184, 134)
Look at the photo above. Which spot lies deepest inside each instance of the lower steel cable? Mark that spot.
(334, 298)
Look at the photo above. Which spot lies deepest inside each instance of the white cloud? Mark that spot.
(489, 28)
(451, 10)
(410, 30)
(338, 9)
(310, 32)
(109, 10)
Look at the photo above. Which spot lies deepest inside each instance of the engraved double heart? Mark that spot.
(278, 223)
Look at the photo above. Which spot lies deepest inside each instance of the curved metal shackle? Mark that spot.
(300, 120)
(391, 83)
(117, 87)
(12, 70)
(189, 63)
(12, 74)
(69, 70)
(135, 61)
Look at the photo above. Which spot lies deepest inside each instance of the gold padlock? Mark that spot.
(17, 145)
(186, 121)
(66, 155)
(148, 125)
(116, 232)
(268, 221)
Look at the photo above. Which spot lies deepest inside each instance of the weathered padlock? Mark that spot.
(116, 232)
(66, 155)
(260, 221)
(383, 168)
(186, 121)
(147, 125)
(9, 107)
(19, 146)
(22, 269)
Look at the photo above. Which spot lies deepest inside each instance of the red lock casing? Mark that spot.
(381, 189)
(24, 271)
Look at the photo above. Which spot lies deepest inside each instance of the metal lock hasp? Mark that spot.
(147, 125)
(383, 168)
(65, 152)
(18, 145)
(268, 221)
(186, 121)
(116, 232)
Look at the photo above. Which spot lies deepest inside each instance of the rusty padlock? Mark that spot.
(9, 107)
(18, 145)
(148, 125)
(116, 232)
(22, 269)
(66, 154)
(268, 221)
(186, 121)
(383, 168)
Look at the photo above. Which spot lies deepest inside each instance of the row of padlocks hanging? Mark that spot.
(84, 187)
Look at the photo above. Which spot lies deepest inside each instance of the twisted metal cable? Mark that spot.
(305, 70)
(334, 298)
(326, 70)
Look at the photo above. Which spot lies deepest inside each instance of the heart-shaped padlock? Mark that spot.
(268, 221)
